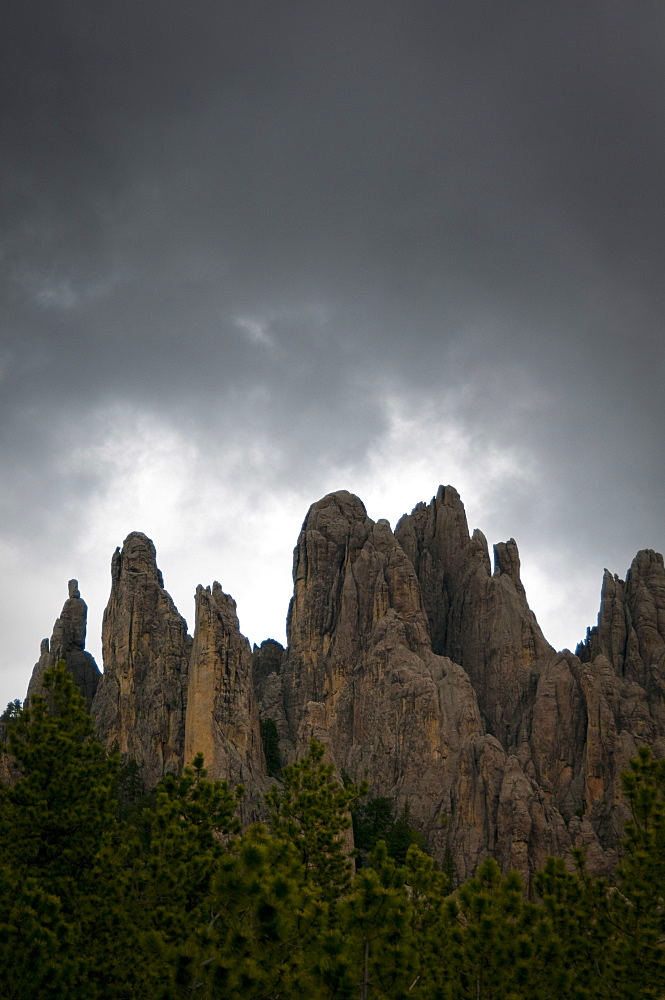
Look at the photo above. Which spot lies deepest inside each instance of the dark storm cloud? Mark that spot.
(260, 219)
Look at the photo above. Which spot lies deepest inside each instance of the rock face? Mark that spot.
(267, 660)
(572, 722)
(142, 697)
(222, 720)
(359, 673)
(68, 644)
(164, 697)
(418, 665)
(630, 632)
(479, 619)
(426, 672)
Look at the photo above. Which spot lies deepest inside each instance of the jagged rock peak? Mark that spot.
(138, 556)
(267, 659)
(630, 631)
(222, 718)
(141, 700)
(507, 561)
(348, 571)
(68, 644)
(359, 673)
(480, 621)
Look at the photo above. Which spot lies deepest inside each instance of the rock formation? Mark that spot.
(572, 726)
(222, 720)
(165, 697)
(266, 667)
(479, 619)
(142, 698)
(359, 673)
(420, 668)
(630, 633)
(68, 644)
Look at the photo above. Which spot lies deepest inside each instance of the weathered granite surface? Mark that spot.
(141, 700)
(359, 673)
(478, 618)
(572, 722)
(222, 720)
(420, 668)
(426, 672)
(267, 660)
(68, 644)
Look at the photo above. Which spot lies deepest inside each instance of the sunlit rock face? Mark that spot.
(68, 644)
(222, 720)
(164, 697)
(142, 697)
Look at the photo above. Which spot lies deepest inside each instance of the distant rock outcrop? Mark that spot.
(68, 644)
(267, 660)
(142, 697)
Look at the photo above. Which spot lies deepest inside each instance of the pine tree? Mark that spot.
(37, 945)
(57, 813)
(270, 740)
(55, 821)
(376, 921)
(402, 835)
(612, 931)
(312, 812)
(495, 945)
(263, 922)
(636, 908)
(170, 858)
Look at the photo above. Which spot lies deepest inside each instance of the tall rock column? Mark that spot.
(68, 644)
(222, 718)
(141, 699)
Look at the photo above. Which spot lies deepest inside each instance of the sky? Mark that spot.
(255, 251)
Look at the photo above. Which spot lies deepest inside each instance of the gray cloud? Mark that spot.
(259, 226)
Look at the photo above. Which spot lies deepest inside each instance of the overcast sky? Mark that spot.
(253, 252)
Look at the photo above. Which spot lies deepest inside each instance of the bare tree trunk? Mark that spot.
(364, 993)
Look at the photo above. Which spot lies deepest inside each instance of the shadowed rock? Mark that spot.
(573, 723)
(267, 663)
(479, 619)
(68, 644)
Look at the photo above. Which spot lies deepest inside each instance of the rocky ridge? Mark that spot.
(418, 664)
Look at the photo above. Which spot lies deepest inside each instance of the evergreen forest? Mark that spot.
(110, 892)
